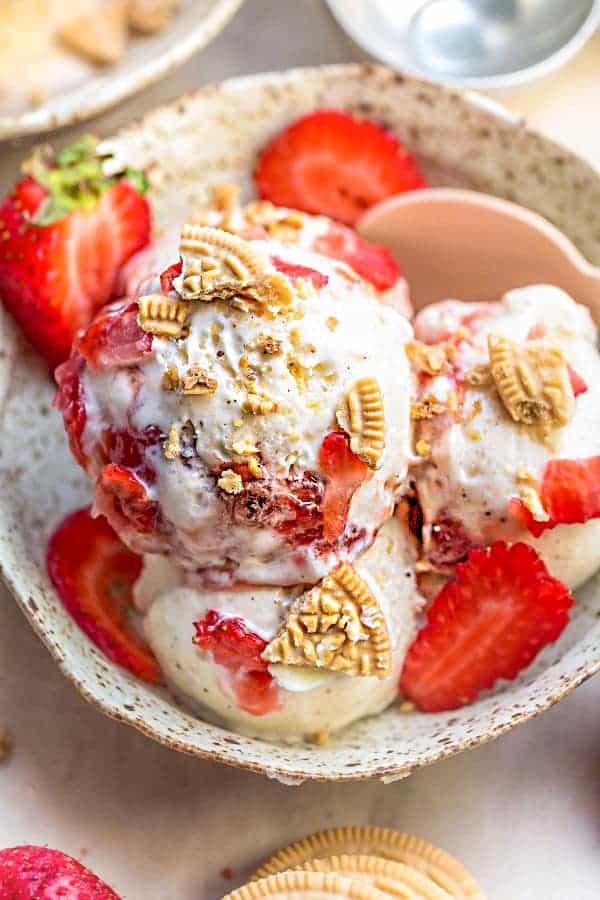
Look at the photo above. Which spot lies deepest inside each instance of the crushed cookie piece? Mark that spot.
(170, 378)
(265, 344)
(244, 447)
(163, 316)
(427, 408)
(337, 625)
(230, 482)
(321, 738)
(407, 706)
(452, 402)
(525, 475)
(258, 404)
(428, 358)
(479, 376)
(197, 381)
(6, 745)
(531, 499)
(361, 415)
(299, 373)
(473, 434)
(423, 448)
(240, 276)
(172, 446)
(474, 411)
(225, 197)
(532, 380)
(281, 224)
(254, 467)
(332, 323)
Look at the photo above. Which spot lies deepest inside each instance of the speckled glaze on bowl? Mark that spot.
(213, 135)
(147, 59)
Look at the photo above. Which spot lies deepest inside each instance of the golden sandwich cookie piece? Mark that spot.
(393, 879)
(300, 885)
(445, 871)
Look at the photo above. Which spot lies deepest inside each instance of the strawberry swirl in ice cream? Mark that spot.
(247, 413)
(508, 430)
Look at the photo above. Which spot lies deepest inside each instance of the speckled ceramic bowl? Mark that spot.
(212, 135)
(148, 58)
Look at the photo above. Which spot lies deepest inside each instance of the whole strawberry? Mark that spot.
(66, 229)
(37, 873)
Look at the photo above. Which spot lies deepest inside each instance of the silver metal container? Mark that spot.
(472, 43)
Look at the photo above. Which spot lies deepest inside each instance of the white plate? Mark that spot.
(92, 90)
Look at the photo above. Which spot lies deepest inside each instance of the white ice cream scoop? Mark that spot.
(459, 243)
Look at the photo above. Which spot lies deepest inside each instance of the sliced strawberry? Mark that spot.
(124, 500)
(577, 382)
(70, 400)
(234, 646)
(490, 622)
(94, 573)
(38, 873)
(255, 692)
(332, 163)
(447, 542)
(65, 233)
(115, 339)
(373, 263)
(317, 279)
(344, 473)
(570, 493)
(166, 277)
(230, 641)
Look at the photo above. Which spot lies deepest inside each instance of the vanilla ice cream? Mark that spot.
(474, 457)
(306, 701)
(215, 446)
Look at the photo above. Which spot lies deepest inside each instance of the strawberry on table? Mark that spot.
(490, 622)
(66, 229)
(39, 873)
(94, 573)
(344, 473)
(332, 163)
(570, 494)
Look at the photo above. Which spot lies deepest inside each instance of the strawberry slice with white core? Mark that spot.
(332, 163)
(93, 573)
(344, 473)
(489, 622)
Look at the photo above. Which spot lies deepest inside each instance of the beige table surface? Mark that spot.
(523, 813)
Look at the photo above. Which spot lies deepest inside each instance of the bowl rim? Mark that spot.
(120, 86)
(17, 580)
(480, 82)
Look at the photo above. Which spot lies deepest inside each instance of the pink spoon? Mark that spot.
(471, 246)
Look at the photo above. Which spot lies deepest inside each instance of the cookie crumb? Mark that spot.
(6, 745)
(321, 737)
